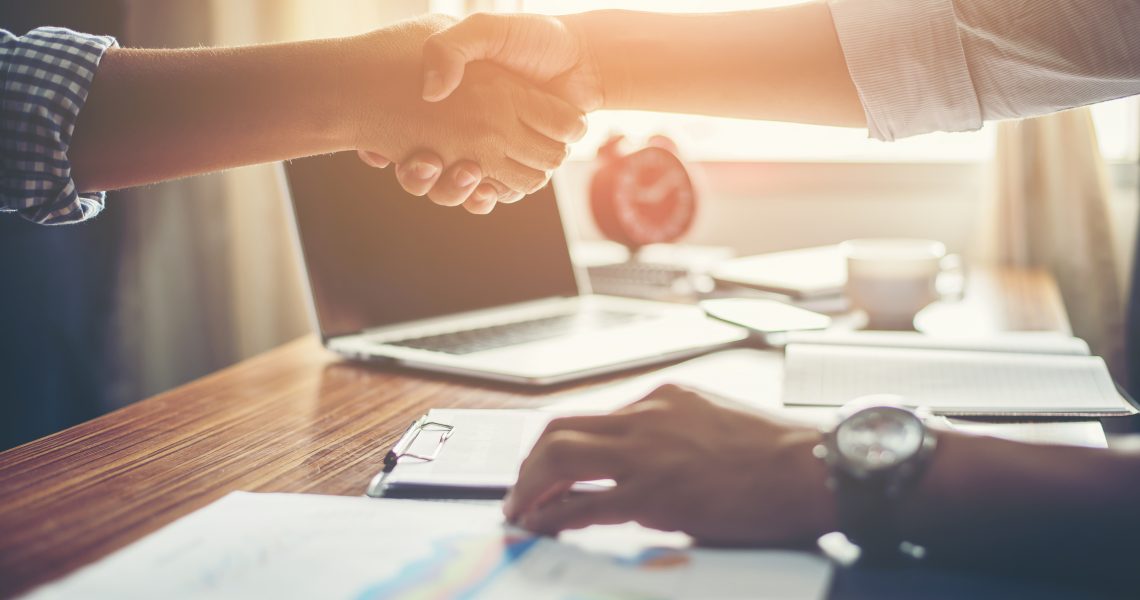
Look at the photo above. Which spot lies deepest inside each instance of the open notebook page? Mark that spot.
(952, 382)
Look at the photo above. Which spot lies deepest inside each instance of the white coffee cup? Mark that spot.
(891, 279)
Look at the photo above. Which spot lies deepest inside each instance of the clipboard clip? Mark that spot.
(402, 450)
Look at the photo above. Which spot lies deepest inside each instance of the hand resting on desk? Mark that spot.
(729, 476)
(680, 462)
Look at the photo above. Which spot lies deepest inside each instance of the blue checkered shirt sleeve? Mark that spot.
(44, 79)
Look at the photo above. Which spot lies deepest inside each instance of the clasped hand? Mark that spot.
(502, 98)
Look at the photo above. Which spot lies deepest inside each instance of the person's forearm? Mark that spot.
(991, 501)
(781, 64)
(154, 115)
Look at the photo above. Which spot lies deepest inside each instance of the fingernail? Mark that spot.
(486, 195)
(465, 178)
(433, 85)
(424, 170)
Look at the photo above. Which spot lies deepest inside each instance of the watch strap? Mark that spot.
(868, 502)
(866, 516)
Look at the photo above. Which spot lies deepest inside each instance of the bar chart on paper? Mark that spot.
(455, 568)
(305, 546)
(481, 566)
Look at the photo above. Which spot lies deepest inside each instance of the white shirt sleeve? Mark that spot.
(949, 65)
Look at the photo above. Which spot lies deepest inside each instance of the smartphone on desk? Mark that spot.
(767, 320)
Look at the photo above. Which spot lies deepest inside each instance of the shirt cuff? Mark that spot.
(46, 76)
(908, 65)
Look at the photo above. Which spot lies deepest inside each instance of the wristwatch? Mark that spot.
(875, 455)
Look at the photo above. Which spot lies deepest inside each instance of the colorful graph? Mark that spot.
(657, 559)
(458, 567)
(463, 567)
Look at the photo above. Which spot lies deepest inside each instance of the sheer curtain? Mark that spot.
(1048, 206)
(1132, 317)
(208, 273)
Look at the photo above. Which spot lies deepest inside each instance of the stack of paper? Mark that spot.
(992, 377)
(804, 273)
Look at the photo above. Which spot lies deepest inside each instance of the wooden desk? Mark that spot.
(296, 419)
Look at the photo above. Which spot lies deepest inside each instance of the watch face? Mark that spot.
(879, 438)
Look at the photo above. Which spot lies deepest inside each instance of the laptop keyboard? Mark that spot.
(521, 332)
(625, 275)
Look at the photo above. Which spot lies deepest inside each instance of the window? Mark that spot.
(1118, 129)
(718, 139)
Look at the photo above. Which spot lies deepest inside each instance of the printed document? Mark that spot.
(306, 546)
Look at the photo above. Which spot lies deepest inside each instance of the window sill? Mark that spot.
(896, 179)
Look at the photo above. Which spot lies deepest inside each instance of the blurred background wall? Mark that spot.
(172, 281)
(57, 285)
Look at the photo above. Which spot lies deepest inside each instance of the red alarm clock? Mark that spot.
(644, 197)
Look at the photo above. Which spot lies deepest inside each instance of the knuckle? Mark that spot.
(514, 185)
(572, 128)
(480, 19)
(434, 43)
(668, 390)
(535, 181)
(495, 189)
(679, 394)
(654, 412)
(579, 128)
(517, 179)
(555, 425)
(556, 155)
(548, 162)
(528, 463)
(559, 450)
(686, 396)
(692, 398)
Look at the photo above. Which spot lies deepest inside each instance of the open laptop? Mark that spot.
(395, 277)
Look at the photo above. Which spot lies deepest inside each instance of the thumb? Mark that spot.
(447, 53)
(607, 507)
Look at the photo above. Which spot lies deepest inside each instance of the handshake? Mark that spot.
(481, 111)
(473, 112)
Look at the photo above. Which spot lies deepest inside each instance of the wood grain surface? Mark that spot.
(296, 419)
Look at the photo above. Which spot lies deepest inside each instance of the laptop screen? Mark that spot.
(377, 255)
